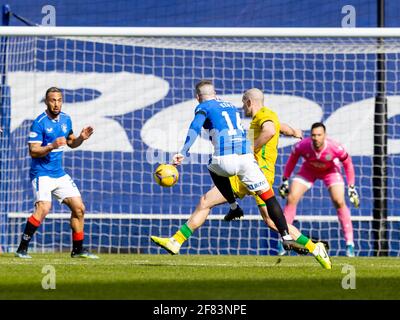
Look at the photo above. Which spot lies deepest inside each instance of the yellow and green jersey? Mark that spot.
(267, 154)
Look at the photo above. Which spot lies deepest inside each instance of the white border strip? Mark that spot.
(160, 216)
(199, 32)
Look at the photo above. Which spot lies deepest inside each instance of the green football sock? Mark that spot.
(306, 242)
(183, 234)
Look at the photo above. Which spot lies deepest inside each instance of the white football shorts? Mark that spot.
(242, 165)
(61, 188)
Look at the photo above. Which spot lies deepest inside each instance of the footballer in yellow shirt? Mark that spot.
(265, 154)
(265, 129)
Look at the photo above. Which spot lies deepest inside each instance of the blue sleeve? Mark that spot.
(194, 131)
(35, 134)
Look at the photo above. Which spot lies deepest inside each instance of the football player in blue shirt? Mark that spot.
(50, 133)
(232, 156)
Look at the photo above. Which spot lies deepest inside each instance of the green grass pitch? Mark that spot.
(191, 277)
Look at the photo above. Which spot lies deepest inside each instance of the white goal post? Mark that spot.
(136, 85)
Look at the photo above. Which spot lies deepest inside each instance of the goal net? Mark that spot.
(137, 92)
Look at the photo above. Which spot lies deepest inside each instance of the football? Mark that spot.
(166, 175)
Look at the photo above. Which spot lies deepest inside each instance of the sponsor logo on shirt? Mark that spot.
(49, 130)
(317, 164)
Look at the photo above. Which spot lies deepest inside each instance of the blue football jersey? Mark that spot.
(224, 125)
(45, 130)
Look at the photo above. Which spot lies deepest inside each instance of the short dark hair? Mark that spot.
(317, 125)
(201, 84)
(52, 89)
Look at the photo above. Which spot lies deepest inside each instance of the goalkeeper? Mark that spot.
(322, 157)
(266, 128)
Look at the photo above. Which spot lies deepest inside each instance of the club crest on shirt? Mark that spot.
(328, 157)
(64, 128)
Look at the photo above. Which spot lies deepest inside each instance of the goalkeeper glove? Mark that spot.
(353, 195)
(284, 188)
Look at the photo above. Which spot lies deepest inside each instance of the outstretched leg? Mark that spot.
(207, 201)
(318, 250)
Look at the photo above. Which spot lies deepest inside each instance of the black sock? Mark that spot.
(30, 229)
(276, 214)
(224, 186)
(77, 245)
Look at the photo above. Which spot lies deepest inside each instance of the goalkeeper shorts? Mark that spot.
(330, 177)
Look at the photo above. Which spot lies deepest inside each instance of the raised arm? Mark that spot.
(35, 141)
(288, 131)
(74, 142)
(36, 150)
